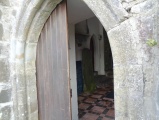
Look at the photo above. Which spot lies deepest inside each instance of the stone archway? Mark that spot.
(128, 23)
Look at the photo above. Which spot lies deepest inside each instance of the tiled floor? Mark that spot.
(96, 106)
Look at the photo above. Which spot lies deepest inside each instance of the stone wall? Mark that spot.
(8, 11)
(129, 24)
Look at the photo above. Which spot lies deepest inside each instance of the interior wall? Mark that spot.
(101, 51)
(75, 52)
(95, 30)
(108, 58)
(73, 78)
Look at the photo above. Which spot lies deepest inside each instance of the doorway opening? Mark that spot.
(91, 65)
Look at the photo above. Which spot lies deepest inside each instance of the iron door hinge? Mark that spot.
(71, 93)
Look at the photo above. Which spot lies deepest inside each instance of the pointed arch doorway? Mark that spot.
(53, 80)
(119, 55)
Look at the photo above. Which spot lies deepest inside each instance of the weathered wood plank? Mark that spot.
(52, 68)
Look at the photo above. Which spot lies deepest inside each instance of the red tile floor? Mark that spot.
(96, 106)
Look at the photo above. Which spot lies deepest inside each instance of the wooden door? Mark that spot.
(53, 69)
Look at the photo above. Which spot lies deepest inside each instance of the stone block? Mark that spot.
(21, 81)
(128, 85)
(30, 52)
(5, 113)
(143, 7)
(32, 92)
(5, 2)
(34, 116)
(128, 0)
(1, 31)
(0, 14)
(22, 96)
(4, 49)
(34, 37)
(121, 106)
(126, 46)
(31, 77)
(108, 11)
(23, 113)
(5, 95)
(51, 5)
(14, 12)
(4, 71)
(135, 78)
(119, 77)
(33, 105)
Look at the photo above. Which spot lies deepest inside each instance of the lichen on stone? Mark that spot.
(151, 42)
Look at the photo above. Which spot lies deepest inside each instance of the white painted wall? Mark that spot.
(75, 54)
(73, 78)
(95, 29)
(79, 53)
(78, 11)
(101, 52)
(93, 25)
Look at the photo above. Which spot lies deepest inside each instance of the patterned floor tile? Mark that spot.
(83, 106)
(99, 118)
(100, 92)
(107, 118)
(96, 106)
(85, 94)
(90, 100)
(109, 99)
(113, 106)
(89, 116)
(110, 113)
(104, 103)
(96, 96)
(97, 109)
(80, 98)
(102, 115)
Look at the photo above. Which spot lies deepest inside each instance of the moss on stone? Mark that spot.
(151, 42)
(87, 68)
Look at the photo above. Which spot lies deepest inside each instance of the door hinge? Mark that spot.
(71, 93)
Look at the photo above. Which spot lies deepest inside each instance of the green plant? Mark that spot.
(151, 42)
